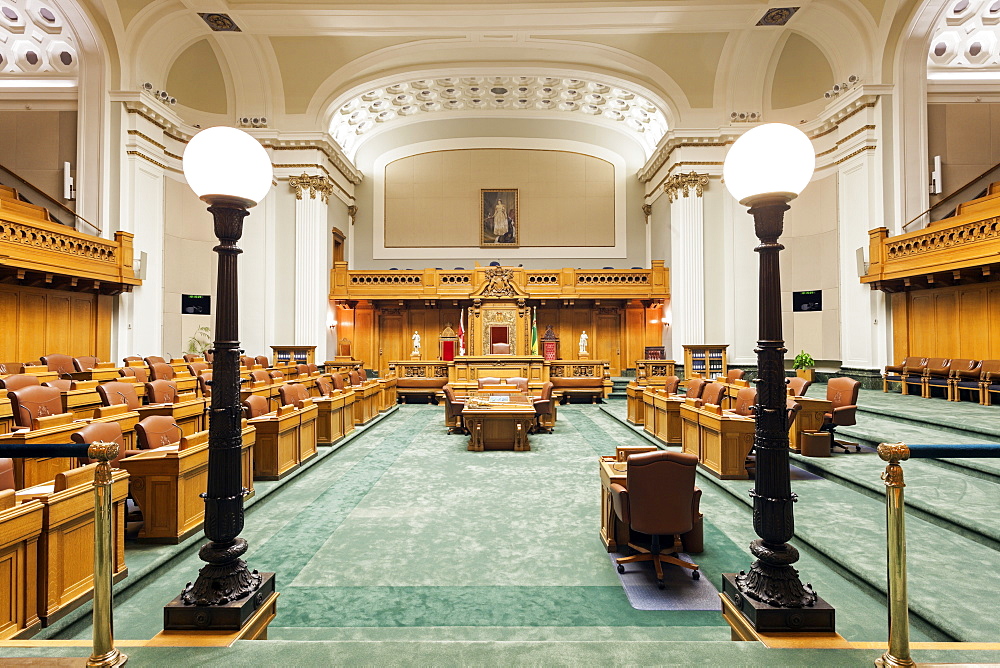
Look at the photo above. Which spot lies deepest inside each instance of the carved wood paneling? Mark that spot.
(961, 321)
(38, 321)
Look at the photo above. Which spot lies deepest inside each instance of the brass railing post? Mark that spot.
(898, 653)
(104, 654)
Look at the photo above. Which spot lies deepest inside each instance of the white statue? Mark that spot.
(416, 342)
(583, 342)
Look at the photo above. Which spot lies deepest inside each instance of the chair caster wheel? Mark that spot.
(660, 585)
(621, 568)
(696, 575)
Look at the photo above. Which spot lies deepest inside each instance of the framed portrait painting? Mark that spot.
(498, 218)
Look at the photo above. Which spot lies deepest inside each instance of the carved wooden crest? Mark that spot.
(499, 284)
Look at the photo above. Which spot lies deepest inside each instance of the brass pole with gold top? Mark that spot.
(898, 653)
(104, 654)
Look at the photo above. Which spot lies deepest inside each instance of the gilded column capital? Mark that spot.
(683, 184)
(313, 185)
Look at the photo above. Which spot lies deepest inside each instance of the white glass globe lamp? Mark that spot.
(771, 161)
(227, 166)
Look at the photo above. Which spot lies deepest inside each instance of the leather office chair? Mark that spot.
(196, 368)
(842, 393)
(735, 374)
(156, 431)
(260, 376)
(544, 405)
(746, 399)
(192, 357)
(694, 388)
(487, 380)
(7, 474)
(312, 368)
(938, 369)
(18, 380)
(302, 370)
(660, 500)
(898, 373)
(339, 382)
(255, 406)
(205, 383)
(140, 374)
(61, 364)
(247, 361)
(293, 394)
(277, 377)
(520, 382)
(61, 384)
(670, 384)
(324, 386)
(453, 407)
(85, 363)
(107, 432)
(798, 386)
(262, 360)
(713, 393)
(153, 359)
(32, 402)
(161, 392)
(355, 377)
(115, 393)
(500, 349)
(161, 371)
(131, 358)
(969, 379)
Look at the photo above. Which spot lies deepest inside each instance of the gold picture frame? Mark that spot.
(499, 219)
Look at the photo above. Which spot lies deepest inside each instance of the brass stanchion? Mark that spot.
(104, 654)
(898, 653)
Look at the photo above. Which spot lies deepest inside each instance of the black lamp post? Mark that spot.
(765, 169)
(231, 171)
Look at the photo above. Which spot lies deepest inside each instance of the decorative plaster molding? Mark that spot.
(647, 210)
(683, 184)
(313, 184)
(34, 41)
(352, 213)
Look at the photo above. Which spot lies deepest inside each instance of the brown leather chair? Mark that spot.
(18, 380)
(61, 384)
(254, 406)
(487, 380)
(694, 388)
(660, 500)
(247, 361)
(713, 393)
(798, 386)
(131, 358)
(500, 349)
(153, 359)
(520, 382)
(32, 402)
(670, 384)
(161, 392)
(746, 399)
(944, 378)
(161, 371)
(990, 381)
(192, 357)
(969, 379)
(197, 368)
(260, 376)
(156, 431)
(842, 393)
(735, 374)
(107, 432)
(312, 368)
(262, 360)
(324, 386)
(293, 394)
(7, 474)
(899, 373)
(205, 383)
(140, 374)
(355, 377)
(937, 369)
(85, 363)
(302, 370)
(115, 393)
(277, 377)
(544, 405)
(453, 407)
(61, 364)
(338, 380)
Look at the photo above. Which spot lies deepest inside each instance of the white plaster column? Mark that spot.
(687, 260)
(312, 273)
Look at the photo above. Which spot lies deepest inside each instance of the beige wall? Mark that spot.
(967, 137)
(433, 199)
(34, 145)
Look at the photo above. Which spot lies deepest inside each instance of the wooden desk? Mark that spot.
(267, 390)
(307, 432)
(189, 415)
(82, 401)
(6, 417)
(65, 548)
(330, 418)
(102, 373)
(499, 426)
(20, 530)
(636, 411)
(721, 441)
(810, 419)
(614, 534)
(125, 418)
(277, 449)
(30, 471)
(388, 386)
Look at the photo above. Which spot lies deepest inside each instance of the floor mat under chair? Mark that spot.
(682, 592)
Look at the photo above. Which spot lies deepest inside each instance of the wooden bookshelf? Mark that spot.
(705, 360)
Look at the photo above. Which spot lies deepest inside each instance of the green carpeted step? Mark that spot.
(849, 528)
(502, 633)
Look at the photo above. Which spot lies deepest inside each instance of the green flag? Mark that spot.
(534, 332)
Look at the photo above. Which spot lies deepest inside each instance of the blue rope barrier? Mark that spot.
(16, 451)
(954, 451)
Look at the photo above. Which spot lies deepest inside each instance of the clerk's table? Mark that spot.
(496, 423)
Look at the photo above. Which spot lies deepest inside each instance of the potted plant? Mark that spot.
(803, 365)
(200, 341)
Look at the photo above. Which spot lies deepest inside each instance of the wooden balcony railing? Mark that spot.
(653, 283)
